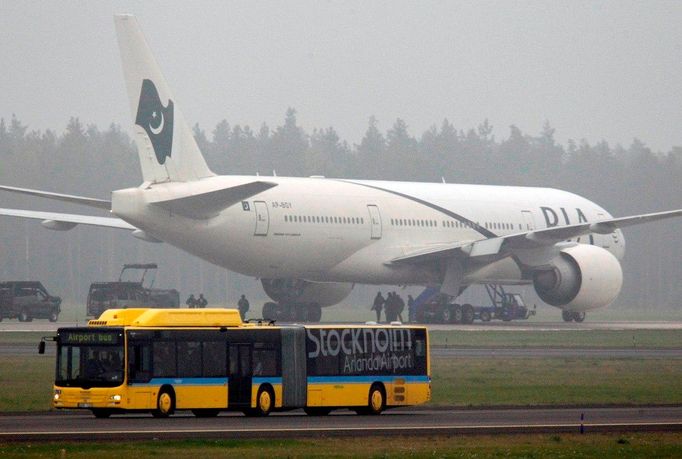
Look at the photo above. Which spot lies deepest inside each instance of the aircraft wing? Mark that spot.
(92, 202)
(59, 221)
(505, 245)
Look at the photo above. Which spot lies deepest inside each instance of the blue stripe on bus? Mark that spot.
(184, 382)
(266, 379)
(366, 379)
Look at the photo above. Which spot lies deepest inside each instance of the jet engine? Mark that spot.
(300, 291)
(581, 278)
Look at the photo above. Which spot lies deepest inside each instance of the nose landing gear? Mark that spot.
(569, 316)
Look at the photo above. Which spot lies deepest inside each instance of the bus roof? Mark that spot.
(151, 317)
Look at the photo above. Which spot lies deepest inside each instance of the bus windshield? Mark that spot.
(90, 359)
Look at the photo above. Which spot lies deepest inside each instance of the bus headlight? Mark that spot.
(116, 398)
(57, 393)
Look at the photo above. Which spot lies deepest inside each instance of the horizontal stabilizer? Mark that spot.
(210, 203)
(61, 222)
(91, 202)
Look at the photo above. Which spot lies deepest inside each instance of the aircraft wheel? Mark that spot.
(485, 316)
(457, 314)
(446, 314)
(579, 316)
(54, 315)
(467, 314)
(567, 316)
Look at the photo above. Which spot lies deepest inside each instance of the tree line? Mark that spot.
(85, 160)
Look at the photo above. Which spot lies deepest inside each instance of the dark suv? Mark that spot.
(28, 300)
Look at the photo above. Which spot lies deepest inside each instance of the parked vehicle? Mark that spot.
(28, 300)
(124, 293)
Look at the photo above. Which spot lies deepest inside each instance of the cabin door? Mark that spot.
(375, 221)
(262, 218)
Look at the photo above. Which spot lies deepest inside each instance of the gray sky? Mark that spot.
(597, 70)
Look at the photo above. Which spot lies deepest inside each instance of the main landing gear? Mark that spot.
(569, 316)
(282, 312)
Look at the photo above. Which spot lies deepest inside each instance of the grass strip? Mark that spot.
(602, 446)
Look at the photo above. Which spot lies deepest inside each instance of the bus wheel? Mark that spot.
(206, 413)
(317, 411)
(376, 401)
(165, 404)
(101, 413)
(264, 403)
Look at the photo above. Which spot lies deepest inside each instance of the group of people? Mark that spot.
(193, 302)
(393, 306)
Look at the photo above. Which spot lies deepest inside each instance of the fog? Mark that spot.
(578, 81)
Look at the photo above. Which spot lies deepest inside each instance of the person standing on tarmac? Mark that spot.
(411, 311)
(390, 307)
(191, 301)
(378, 305)
(399, 307)
(201, 301)
(243, 306)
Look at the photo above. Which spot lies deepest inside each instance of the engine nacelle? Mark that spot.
(582, 277)
(302, 291)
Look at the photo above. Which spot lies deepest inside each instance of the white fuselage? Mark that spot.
(333, 230)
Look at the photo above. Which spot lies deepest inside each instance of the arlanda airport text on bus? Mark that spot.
(208, 360)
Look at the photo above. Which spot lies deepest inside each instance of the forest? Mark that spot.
(83, 159)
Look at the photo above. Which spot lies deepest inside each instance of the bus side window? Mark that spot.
(264, 361)
(140, 362)
(164, 359)
(189, 359)
(214, 357)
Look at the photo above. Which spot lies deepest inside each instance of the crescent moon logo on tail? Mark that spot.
(156, 119)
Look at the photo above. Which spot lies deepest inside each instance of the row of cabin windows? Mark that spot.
(318, 219)
(413, 222)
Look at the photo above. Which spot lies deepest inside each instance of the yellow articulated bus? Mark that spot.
(208, 360)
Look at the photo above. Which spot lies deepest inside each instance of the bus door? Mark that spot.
(239, 385)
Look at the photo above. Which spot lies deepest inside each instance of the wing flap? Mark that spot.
(210, 203)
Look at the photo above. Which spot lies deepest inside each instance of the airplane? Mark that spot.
(310, 240)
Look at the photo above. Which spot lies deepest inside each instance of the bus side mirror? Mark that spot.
(41, 347)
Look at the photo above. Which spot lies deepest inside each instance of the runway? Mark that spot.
(414, 421)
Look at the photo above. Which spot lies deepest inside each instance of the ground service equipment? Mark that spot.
(130, 293)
